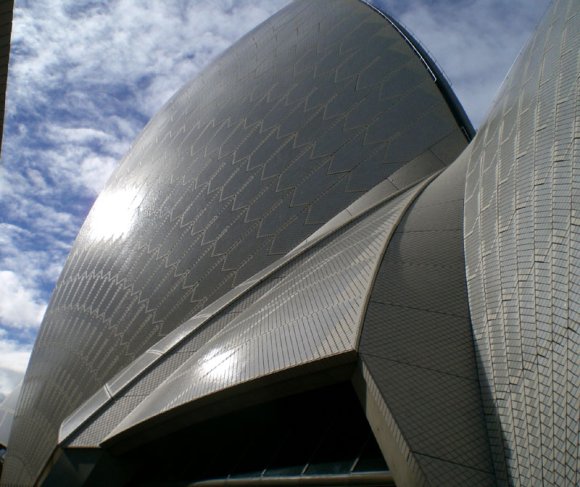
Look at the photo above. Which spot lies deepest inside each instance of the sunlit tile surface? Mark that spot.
(287, 128)
(522, 241)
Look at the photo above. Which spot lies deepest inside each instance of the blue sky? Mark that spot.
(86, 75)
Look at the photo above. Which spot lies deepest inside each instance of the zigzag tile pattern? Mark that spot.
(522, 244)
(313, 313)
(283, 131)
(96, 418)
(95, 430)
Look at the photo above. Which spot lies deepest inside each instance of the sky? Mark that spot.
(85, 76)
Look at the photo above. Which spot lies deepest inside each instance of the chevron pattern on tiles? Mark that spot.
(283, 131)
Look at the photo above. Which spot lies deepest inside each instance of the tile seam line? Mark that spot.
(489, 472)
(275, 267)
(419, 366)
(424, 184)
(419, 309)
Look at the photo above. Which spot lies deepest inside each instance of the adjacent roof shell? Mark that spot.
(522, 197)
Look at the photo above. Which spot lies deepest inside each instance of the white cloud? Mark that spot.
(19, 306)
(9, 380)
(27, 274)
(13, 362)
(14, 356)
(96, 171)
(150, 46)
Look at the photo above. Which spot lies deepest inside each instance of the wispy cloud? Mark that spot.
(19, 307)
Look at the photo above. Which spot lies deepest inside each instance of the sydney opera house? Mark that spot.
(309, 270)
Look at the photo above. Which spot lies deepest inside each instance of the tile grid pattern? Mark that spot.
(98, 427)
(390, 423)
(196, 331)
(522, 243)
(417, 345)
(283, 131)
(313, 313)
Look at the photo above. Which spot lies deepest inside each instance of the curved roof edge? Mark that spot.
(202, 378)
(371, 200)
(440, 79)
